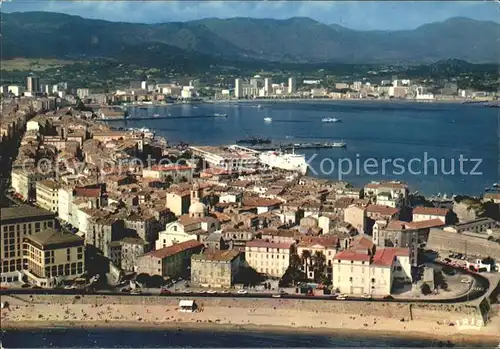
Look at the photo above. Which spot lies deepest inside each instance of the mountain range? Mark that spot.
(212, 40)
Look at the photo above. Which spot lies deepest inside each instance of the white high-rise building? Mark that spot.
(292, 85)
(238, 88)
(268, 82)
(82, 93)
(32, 84)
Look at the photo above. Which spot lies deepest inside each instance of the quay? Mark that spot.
(291, 146)
(161, 118)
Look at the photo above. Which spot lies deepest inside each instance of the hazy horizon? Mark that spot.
(382, 15)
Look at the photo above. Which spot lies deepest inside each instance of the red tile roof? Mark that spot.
(362, 242)
(175, 249)
(87, 192)
(386, 210)
(435, 211)
(397, 225)
(431, 223)
(216, 171)
(261, 202)
(263, 243)
(167, 168)
(308, 241)
(384, 257)
(349, 255)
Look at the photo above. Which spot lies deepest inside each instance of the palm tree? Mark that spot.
(295, 261)
(319, 261)
(306, 257)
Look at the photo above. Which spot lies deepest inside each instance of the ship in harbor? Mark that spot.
(268, 119)
(285, 161)
(290, 146)
(254, 141)
(330, 120)
(219, 115)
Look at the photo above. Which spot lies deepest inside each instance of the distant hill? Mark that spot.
(298, 40)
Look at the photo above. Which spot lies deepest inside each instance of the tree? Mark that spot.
(142, 278)
(155, 281)
(319, 261)
(295, 261)
(426, 289)
(438, 279)
(306, 258)
(291, 277)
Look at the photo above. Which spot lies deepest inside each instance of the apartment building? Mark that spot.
(397, 234)
(215, 268)
(371, 271)
(325, 245)
(124, 253)
(16, 223)
(170, 261)
(357, 217)
(52, 257)
(421, 213)
(24, 182)
(478, 226)
(268, 258)
(178, 201)
(169, 173)
(47, 195)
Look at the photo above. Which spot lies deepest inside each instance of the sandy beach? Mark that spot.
(21, 315)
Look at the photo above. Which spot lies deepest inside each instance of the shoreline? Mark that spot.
(180, 326)
(320, 100)
(437, 323)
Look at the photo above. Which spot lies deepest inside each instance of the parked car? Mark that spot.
(212, 292)
(165, 291)
(276, 295)
(465, 281)
(342, 296)
(388, 298)
(366, 296)
(242, 292)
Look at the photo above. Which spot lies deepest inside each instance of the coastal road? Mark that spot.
(474, 294)
(481, 287)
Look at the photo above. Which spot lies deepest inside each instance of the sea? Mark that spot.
(142, 338)
(437, 148)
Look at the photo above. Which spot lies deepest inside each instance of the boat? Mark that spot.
(156, 115)
(338, 145)
(268, 119)
(285, 161)
(259, 107)
(330, 120)
(218, 115)
(254, 141)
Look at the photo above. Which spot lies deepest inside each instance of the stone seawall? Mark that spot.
(416, 311)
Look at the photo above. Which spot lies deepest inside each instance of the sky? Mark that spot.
(360, 15)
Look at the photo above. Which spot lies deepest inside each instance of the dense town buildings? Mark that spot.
(170, 221)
